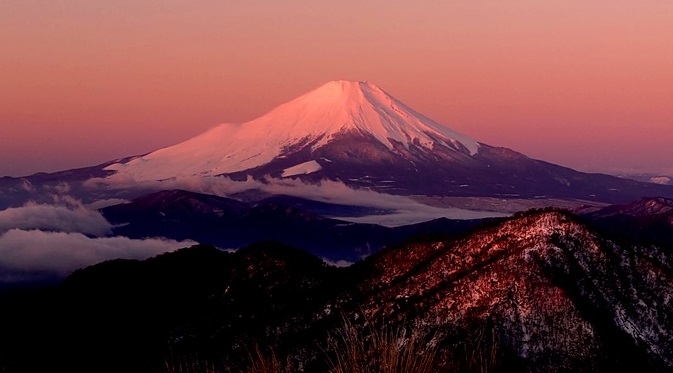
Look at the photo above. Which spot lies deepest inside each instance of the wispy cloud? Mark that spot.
(338, 263)
(26, 185)
(103, 203)
(417, 214)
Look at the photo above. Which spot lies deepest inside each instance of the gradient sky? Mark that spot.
(586, 84)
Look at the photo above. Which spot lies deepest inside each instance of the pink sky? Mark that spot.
(586, 84)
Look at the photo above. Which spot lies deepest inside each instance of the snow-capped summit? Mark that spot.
(341, 106)
(311, 121)
(357, 134)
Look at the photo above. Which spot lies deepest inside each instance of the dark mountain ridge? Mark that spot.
(646, 220)
(539, 292)
(228, 223)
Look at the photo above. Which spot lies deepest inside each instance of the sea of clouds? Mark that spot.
(47, 242)
(402, 210)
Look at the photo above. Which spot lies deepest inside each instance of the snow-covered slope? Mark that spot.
(312, 120)
(357, 134)
(302, 169)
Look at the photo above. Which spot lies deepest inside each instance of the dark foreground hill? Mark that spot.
(539, 292)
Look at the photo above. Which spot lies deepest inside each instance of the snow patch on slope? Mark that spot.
(302, 169)
(414, 214)
(663, 180)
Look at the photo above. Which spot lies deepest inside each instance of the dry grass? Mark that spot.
(189, 365)
(260, 362)
(481, 350)
(351, 348)
(381, 349)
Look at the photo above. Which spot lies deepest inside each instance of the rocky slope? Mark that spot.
(558, 295)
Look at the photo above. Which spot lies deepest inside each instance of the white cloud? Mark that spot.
(68, 216)
(404, 210)
(103, 203)
(26, 185)
(326, 190)
(418, 214)
(40, 241)
(338, 263)
(60, 188)
(217, 185)
(31, 255)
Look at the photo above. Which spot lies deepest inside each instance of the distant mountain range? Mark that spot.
(647, 220)
(231, 224)
(297, 222)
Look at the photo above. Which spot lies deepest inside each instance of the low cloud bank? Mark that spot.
(325, 191)
(60, 218)
(46, 242)
(404, 210)
(29, 256)
(419, 214)
(338, 263)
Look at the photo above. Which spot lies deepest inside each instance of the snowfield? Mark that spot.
(302, 169)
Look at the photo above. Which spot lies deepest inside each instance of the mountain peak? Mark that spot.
(347, 84)
(342, 106)
(338, 92)
(313, 120)
(339, 95)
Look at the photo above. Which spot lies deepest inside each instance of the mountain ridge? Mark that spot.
(538, 292)
(231, 224)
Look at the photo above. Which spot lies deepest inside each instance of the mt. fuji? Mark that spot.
(357, 134)
(337, 111)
